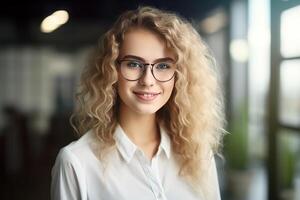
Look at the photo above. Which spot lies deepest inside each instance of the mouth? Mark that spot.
(147, 96)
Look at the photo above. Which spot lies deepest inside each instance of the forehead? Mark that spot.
(144, 43)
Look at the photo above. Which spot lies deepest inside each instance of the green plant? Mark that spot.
(236, 143)
(287, 160)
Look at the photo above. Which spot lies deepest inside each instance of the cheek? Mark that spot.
(172, 85)
(124, 88)
(121, 87)
(169, 88)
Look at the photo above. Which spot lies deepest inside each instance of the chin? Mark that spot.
(146, 111)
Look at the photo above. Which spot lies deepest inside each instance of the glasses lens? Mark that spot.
(164, 71)
(131, 69)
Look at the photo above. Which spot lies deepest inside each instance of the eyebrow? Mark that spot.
(143, 60)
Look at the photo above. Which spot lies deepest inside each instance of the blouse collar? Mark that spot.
(127, 148)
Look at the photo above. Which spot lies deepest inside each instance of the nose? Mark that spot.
(147, 79)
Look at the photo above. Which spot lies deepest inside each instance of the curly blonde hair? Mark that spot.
(193, 116)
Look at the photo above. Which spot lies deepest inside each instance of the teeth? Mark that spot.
(148, 95)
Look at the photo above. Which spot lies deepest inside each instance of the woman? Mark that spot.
(150, 116)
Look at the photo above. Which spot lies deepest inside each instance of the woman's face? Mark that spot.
(145, 95)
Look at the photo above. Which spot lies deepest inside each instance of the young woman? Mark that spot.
(150, 116)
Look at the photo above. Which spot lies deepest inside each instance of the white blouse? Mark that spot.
(126, 175)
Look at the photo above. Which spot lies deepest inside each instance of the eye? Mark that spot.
(134, 64)
(162, 66)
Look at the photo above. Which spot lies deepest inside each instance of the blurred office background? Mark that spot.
(257, 47)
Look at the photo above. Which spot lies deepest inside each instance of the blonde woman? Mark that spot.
(150, 116)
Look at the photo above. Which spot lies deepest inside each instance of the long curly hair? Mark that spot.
(193, 116)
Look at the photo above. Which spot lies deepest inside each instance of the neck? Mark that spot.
(140, 128)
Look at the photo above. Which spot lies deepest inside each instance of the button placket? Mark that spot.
(152, 177)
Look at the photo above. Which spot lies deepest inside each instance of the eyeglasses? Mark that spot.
(133, 70)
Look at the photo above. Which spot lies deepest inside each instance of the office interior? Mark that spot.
(256, 44)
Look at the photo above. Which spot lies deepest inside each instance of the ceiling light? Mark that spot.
(239, 50)
(53, 21)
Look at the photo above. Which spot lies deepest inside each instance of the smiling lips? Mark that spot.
(146, 96)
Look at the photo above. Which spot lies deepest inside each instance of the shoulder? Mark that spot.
(79, 151)
(68, 173)
(83, 143)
